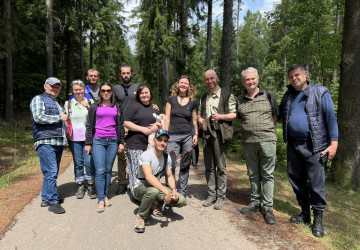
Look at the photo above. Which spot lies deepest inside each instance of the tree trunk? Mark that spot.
(69, 60)
(91, 52)
(337, 28)
(346, 165)
(237, 37)
(164, 75)
(209, 36)
(49, 39)
(226, 45)
(183, 34)
(8, 73)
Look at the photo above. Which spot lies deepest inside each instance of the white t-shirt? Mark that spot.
(157, 165)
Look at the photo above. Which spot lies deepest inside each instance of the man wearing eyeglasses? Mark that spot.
(217, 110)
(148, 188)
(49, 129)
(125, 96)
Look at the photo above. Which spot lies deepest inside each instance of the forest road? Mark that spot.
(81, 227)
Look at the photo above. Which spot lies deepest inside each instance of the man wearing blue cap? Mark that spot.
(148, 189)
(49, 129)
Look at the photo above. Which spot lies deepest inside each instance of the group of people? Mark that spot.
(108, 121)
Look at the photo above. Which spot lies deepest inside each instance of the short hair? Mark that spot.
(92, 70)
(78, 82)
(191, 91)
(141, 87)
(125, 66)
(112, 98)
(250, 70)
(296, 66)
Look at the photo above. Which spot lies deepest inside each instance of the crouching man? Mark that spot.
(148, 188)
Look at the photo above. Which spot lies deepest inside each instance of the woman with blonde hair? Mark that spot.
(181, 117)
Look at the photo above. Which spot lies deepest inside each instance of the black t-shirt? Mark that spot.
(181, 116)
(141, 115)
(124, 100)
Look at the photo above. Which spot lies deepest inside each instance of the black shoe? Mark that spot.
(44, 204)
(269, 216)
(121, 189)
(56, 209)
(317, 229)
(92, 192)
(253, 207)
(304, 217)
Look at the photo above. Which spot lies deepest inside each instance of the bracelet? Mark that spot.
(173, 189)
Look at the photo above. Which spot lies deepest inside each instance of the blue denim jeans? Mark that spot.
(103, 152)
(50, 157)
(81, 160)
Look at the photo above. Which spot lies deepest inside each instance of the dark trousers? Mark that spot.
(215, 152)
(306, 174)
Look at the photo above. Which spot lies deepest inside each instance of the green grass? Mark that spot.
(17, 153)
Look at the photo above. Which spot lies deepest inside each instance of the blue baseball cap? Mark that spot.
(161, 132)
(52, 81)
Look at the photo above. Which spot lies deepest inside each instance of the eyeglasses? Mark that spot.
(106, 91)
(161, 132)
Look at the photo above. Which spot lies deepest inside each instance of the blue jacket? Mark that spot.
(87, 94)
(318, 128)
(43, 131)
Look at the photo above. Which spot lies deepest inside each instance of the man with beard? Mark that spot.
(125, 96)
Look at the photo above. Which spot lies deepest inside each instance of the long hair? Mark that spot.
(191, 91)
(112, 98)
(141, 87)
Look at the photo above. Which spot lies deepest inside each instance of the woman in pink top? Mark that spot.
(104, 138)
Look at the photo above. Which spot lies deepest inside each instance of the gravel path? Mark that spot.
(81, 227)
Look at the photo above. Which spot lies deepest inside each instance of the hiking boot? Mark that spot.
(92, 192)
(139, 225)
(56, 208)
(80, 193)
(269, 216)
(253, 207)
(101, 207)
(317, 229)
(304, 217)
(108, 202)
(44, 204)
(219, 204)
(209, 202)
(156, 210)
(121, 189)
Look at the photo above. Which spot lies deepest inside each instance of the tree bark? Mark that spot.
(237, 36)
(69, 60)
(49, 39)
(346, 165)
(209, 35)
(226, 45)
(8, 73)
(165, 75)
(183, 34)
(91, 52)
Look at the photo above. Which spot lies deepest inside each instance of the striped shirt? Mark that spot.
(37, 108)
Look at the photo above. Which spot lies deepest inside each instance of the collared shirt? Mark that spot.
(212, 104)
(37, 107)
(257, 117)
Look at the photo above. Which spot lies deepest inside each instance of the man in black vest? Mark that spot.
(49, 128)
(217, 110)
(311, 132)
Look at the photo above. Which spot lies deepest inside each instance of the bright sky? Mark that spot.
(253, 5)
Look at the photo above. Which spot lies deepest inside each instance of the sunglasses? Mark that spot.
(106, 91)
(162, 132)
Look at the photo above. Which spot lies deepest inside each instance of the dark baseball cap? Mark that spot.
(161, 132)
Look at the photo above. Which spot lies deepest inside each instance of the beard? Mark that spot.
(126, 80)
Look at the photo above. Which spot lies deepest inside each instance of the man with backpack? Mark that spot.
(154, 164)
(258, 110)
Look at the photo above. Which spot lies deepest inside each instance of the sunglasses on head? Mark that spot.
(106, 90)
(161, 131)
